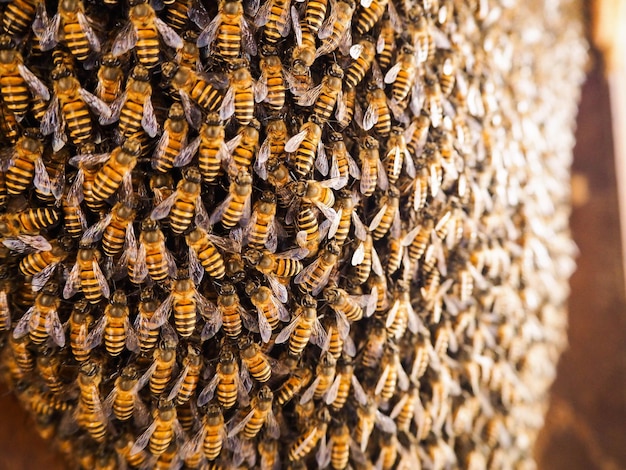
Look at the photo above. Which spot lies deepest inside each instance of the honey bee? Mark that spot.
(162, 432)
(18, 17)
(243, 148)
(26, 164)
(270, 310)
(41, 321)
(70, 106)
(182, 203)
(112, 229)
(325, 96)
(369, 416)
(434, 100)
(178, 14)
(42, 264)
(401, 314)
(403, 74)
(79, 323)
(49, 367)
(235, 209)
(372, 170)
(71, 24)
(318, 193)
(303, 328)
(335, 31)
(227, 382)
(150, 257)
(16, 80)
(124, 398)
(385, 43)
(261, 231)
(187, 382)
(365, 260)
(185, 301)
(110, 78)
(305, 443)
(303, 56)
(164, 360)
(342, 164)
(10, 131)
(87, 276)
(260, 414)
(192, 88)
(174, 139)
(22, 355)
(275, 266)
(239, 99)
(388, 214)
(339, 446)
(324, 378)
(306, 144)
(142, 33)
(268, 451)
(349, 306)
(210, 438)
(114, 326)
(228, 34)
(362, 54)
(204, 254)
(256, 363)
(369, 13)
(298, 379)
(271, 86)
(392, 376)
(117, 171)
(316, 275)
(90, 414)
(377, 114)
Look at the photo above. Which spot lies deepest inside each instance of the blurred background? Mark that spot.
(586, 422)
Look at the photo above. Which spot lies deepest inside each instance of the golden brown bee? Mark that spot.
(368, 417)
(80, 321)
(237, 204)
(150, 257)
(230, 309)
(16, 80)
(91, 415)
(27, 165)
(20, 352)
(213, 431)
(387, 215)
(362, 54)
(372, 170)
(392, 375)
(270, 309)
(164, 361)
(212, 149)
(18, 17)
(274, 17)
(342, 164)
(377, 114)
(87, 276)
(434, 100)
(41, 264)
(346, 108)
(316, 275)
(244, 147)
(324, 378)
(9, 126)
(49, 368)
(191, 86)
(117, 171)
(347, 306)
(345, 382)
(110, 78)
(303, 328)
(124, 398)
(336, 29)
(325, 96)
(204, 253)
(239, 99)
(261, 230)
(305, 443)
(272, 85)
(161, 432)
(135, 105)
(228, 34)
(314, 14)
(123, 445)
(403, 74)
(143, 33)
(71, 24)
(308, 235)
(183, 203)
(299, 379)
(254, 360)
(114, 327)
(260, 414)
(177, 15)
(41, 321)
(226, 382)
(187, 382)
(306, 145)
(368, 15)
(174, 139)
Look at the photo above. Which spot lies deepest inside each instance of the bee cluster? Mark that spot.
(323, 234)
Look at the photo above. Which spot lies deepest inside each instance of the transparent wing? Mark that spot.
(35, 85)
(96, 104)
(207, 36)
(72, 283)
(227, 109)
(161, 314)
(51, 120)
(50, 36)
(94, 338)
(94, 42)
(54, 328)
(125, 40)
(163, 209)
(23, 325)
(169, 36)
(148, 120)
(294, 142)
(309, 96)
(102, 281)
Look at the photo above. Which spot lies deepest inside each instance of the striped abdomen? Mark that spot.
(113, 240)
(325, 104)
(402, 85)
(156, 262)
(305, 155)
(315, 14)
(176, 16)
(78, 120)
(161, 438)
(228, 40)
(36, 262)
(244, 105)
(184, 314)
(147, 47)
(90, 285)
(212, 260)
(18, 17)
(161, 377)
(15, 93)
(234, 211)
(35, 220)
(208, 162)
(76, 40)
(114, 338)
(182, 214)
(37, 331)
(367, 17)
(130, 118)
(20, 174)
(107, 180)
(275, 99)
(124, 404)
(207, 96)
(275, 23)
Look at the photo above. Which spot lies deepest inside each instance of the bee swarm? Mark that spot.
(321, 234)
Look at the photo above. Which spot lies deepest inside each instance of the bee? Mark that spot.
(316, 275)
(447, 72)
(185, 301)
(212, 146)
(90, 412)
(303, 56)
(147, 306)
(306, 144)
(227, 382)
(187, 382)
(123, 445)
(172, 142)
(114, 326)
(305, 443)
(403, 74)
(79, 322)
(345, 382)
(299, 379)
(192, 87)
(204, 254)
(16, 80)
(261, 230)
(339, 446)
(369, 416)
(335, 30)
(325, 96)
(421, 240)
(112, 229)
(124, 398)
(49, 367)
(229, 32)
(270, 310)
(41, 264)
(71, 24)
(388, 451)
(162, 432)
(349, 306)
(401, 314)
(236, 206)
(271, 87)
(268, 451)
(151, 257)
(324, 378)
(377, 114)
(18, 17)
(370, 11)
(372, 170)
(213, 431)
(87, 276)
(434, 100)
(417, 134)
(259, 366)
(178, 14)
(392, 376)
(342, 164)
(260, 414)
(303, 328)
(27, 165)
(276, 265)
(320, 194)
(362, 54)
(134, 107)
(9, 126)
(239, 99)
(164, 359)
(314, 15)
(308, 235)
(70, 106)
(21, 353)
(142, 33)
(385, 43)
(182, 203)
(243, 148)
(41, 321)
(365, 260)
(110, 78)
(388, 214)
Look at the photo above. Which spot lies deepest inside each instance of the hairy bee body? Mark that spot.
(366, 18)
(177, 15)
(110, 78)
(185, 306)
(340, 453)
(176, 129)
(146, 336)
(184, 206)
(115, 331)
(208, 255)
(20, 175)
(18, 17)
(305, 443)
(213, 424)
(73, 108)
(230, 308)
(314, 14)
(212, 148)
(36, 262)
(307, 150)
(263, 217)
(183, 78)
(360, 66)
(119, 166)
(229, 32)
(14, 90)
(296, 382)
(273, 74)
(164, 359)
(163, 434)
(88, 280)
(192, 364)
(114, 236)
(239, 195)
(147, 47)
(73, 32)
(307, 223)
(244, 152)
(79, 327)
(255, 361)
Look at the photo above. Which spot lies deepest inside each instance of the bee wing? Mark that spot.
(102, 281)
(50, 35)
(265, 329)
(377, 266)
(328, 25)
(125, 40)
(51, 120)
(227, 108)
(284, 335)
(72, 282)
(382, 379)
(161, 148)
(321, 161)
(207, 36)
(242, 424)
(248, 40)
(343, 324)
(42, 277)
(330, 395)
(162, 313)
(23, 325)
(318, 334)
(334, 225)
(94, 233)
(179, 383)
(260, 88)
(370, 118)
(392, 73)
(216, 216)
(196, 270)
(309, 392)
(132, 343)
(359, 254)
(198, 14)
(385, 423)
(97, 105)
(383, 181)
(294, 142)
(142, 441)
(395, 18)
(360, 231)
(148, 120)
(309, 96)
(54, 328)
(187, 153)
(378, 218)
(94, 42)
(193, 114)
(263, 14)
(94, 338)
(356, 50)
(163, 209)
(305, 274)
(206, 395)
(35, 85)
(169, 36)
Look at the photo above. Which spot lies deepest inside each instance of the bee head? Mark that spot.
(132, 147)
(59, 72)
(335, 70)
(192, 174)
(168, 70)
(109, 60)
(140, 73)
(7, 43)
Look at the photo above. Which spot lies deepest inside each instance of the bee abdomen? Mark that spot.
(147, 47)
(76, 41)
(185, 317)
(181, 215)
(15, 94)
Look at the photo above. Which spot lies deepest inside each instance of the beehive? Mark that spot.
(303, 234)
